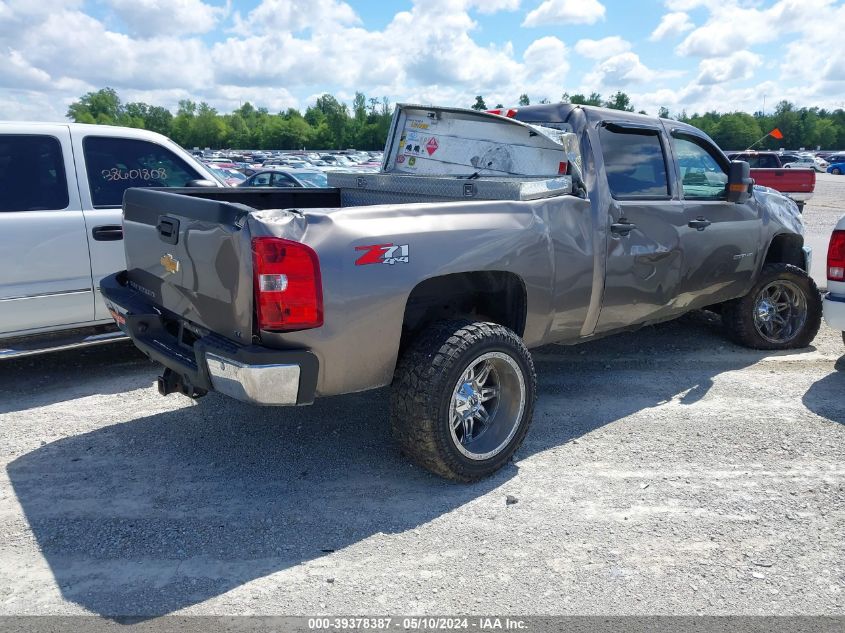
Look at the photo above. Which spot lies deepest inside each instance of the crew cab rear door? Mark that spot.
(721, 240)
(646, 219)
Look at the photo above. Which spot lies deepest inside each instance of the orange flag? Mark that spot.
(776, 133)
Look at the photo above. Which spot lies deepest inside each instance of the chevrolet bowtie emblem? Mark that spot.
(170, 263)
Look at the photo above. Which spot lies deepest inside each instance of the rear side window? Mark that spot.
(635, 162)
(283, 180)
(115, 164)
(261, 180)
(703, 174)
(32, 173)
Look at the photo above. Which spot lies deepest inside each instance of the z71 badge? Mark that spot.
(382, 254)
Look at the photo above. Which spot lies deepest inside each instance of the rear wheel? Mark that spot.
(782, 311)
(463, 398)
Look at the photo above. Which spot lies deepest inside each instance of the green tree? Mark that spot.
(102, 106)
(523, 100)
(736, 130)
(578, 99)
(159, 120)
(663, 112)
(207, 128)
(359, 107)
(619, 101)
(337, 116)
(479, 103)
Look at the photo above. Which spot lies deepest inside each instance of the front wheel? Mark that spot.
(782, 311)
(463, 398)
(836, 171)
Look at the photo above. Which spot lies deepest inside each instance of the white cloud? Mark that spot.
(546, 68)
(152, 18)
(292, 16)
(603, 48)
(738, 66)
(620, 71)
(732, 27)
(671, 25)
(565, 12)
(283, 52)
(16, 72)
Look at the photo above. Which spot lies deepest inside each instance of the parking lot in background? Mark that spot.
(667, 471)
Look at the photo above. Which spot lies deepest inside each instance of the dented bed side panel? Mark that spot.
(365, 289)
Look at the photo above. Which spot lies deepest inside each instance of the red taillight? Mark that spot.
(836, 257)
(288, 290)
(508, 112)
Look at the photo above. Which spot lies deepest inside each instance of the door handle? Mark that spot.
(699, 223)
(107, 233)
(623, 227)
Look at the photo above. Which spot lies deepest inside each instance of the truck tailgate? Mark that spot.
(192, 257)
(786, 180)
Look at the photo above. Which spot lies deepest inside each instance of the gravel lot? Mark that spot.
(667, 472)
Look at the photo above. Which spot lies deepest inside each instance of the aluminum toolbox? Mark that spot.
(379, 188)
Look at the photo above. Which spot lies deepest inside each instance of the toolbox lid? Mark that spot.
(431, 140)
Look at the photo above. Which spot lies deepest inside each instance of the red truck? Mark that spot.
(767, 170)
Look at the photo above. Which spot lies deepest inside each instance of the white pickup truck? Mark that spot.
(61, 190)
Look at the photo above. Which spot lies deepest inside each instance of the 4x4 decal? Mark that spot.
(382, 254)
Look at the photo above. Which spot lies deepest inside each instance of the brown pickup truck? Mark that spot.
(767, 170)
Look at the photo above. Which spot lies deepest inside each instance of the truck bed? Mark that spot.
(796, 183)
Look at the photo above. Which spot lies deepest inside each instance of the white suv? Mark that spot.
(61, 190)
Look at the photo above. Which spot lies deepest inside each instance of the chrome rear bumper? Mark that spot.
(256, 384)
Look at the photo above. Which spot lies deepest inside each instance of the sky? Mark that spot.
(686, 55)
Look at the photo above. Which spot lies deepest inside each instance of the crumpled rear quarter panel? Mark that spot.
(364, 305)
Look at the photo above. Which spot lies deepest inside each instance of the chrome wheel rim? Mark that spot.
(487, 405)
(780, 311)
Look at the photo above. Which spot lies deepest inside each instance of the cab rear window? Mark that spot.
(635, 162)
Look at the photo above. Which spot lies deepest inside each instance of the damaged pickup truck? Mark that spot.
(483, 235)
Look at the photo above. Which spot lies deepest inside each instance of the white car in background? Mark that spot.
(61, 231)
(808, 162)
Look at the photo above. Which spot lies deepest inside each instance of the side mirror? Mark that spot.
(201, 182)
(740, 182)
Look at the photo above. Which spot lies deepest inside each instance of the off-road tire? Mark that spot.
(738, 314)
(423, 385)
